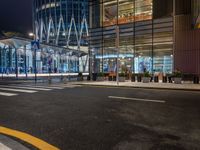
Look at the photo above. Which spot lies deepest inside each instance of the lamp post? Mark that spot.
(117, 49)
(174, 31)
(33, 47)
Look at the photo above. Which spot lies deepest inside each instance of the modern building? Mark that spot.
(61, 26)
(61, 22)
(158, 36)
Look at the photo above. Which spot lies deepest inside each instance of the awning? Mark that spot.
(17, 42)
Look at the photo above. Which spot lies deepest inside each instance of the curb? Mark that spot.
(138, 87)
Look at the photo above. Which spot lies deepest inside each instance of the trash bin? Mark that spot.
(114, 78)
(156, 79)
(88, 78)
(196, 80)
(164, 79)
(139, 79)
(94, 76)
(170, 79)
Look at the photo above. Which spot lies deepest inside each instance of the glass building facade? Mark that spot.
(61, 27)
(144, 41)
(61, 22)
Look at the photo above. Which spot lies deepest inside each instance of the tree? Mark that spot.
(11, 34)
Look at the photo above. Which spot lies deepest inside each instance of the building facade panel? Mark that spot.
(187, 54)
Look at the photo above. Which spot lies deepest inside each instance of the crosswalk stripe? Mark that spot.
(47, 87)
(4, 147)
(18, 90)
(28, 88)
(7, 94)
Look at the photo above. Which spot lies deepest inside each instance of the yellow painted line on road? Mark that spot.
(38, 143)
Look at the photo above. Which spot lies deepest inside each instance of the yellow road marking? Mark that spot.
(42, 145)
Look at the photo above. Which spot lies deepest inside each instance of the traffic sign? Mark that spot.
(35, 45)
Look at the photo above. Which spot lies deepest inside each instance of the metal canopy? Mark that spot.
(17, 42)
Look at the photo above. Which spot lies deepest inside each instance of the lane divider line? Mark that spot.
(28, 88)
(7, 94)
(38, 143)
(47, 87)
(137, 99)
(18, 90)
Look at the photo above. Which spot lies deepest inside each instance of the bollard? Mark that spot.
(49, 80)
(65, 80)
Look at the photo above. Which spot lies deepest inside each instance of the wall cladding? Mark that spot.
(187, 53)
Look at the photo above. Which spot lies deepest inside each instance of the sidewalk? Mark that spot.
(6, 143)
(151, 85)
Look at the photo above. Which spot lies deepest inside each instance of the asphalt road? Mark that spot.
(100, 118)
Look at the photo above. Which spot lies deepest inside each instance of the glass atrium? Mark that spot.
(145, 42)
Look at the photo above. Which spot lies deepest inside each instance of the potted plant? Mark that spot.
(100, 76)
(177, 77)
(146, 78)
(80, 76)
(122, 77)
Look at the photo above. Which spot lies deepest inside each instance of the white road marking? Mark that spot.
(18, 90)
(28, 88)
(47, 87)
(137, 99)
(71, 86)
(3, 147)
(7, 94)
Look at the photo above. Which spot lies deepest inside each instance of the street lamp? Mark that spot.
(117, 48)
(32, 35)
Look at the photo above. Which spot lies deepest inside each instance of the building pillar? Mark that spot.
(25, 61)
(16, 63)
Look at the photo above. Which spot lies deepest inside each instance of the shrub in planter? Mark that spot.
(100, 76)
(177, 77)
(121, 77)
(146, 78)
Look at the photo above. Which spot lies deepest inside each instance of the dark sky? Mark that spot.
(16, 15)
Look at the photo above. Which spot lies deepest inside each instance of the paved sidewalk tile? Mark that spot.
(184, 86)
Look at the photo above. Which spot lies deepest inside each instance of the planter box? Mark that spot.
(146, 79)
(100, 78)
(177, 80)
(121, 79)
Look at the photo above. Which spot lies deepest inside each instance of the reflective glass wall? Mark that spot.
(47, 60)
(145, 43)
(62, 22)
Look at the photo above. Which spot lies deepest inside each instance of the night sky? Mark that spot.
(16, 15)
